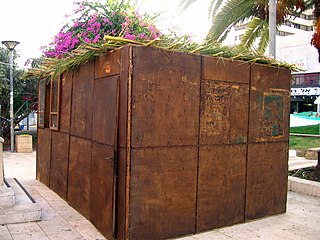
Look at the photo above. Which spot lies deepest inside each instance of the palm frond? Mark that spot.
(213, 8)
(252, 32)
(264, 39)
(184, 4)
(53, 67)
(233, 12)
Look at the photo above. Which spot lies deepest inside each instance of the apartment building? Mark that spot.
(293, 46)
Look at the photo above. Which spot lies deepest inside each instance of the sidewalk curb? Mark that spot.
(304, 186)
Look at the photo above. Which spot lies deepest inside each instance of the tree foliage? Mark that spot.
(229, 13)
(25, 89)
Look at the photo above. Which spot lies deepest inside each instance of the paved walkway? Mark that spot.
(60, 221)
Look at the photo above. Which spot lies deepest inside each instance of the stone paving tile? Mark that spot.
(30, 236)
(55, 225)
(24, 228)
(4, 233)
(85, 228)
(70, 214)
(212, 235)
(66, 235)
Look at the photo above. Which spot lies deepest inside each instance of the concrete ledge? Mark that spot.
(7, 196)
(20, 213)
(304, 186)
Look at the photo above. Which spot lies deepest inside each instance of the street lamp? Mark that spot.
(11, 45)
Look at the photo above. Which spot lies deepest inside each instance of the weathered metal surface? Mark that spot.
(222, 106)
(221, 186)
(66, 97)
(59, 163)
(79, 186)
(165, 101)
(267, 178)
(103, 189)
(269, 104)
(105, 110)
(163, 192)
(82, 98)
(44, 155)
(125, 75)
(221, 69)
(121, 194)
(107, 65)
(181, 125)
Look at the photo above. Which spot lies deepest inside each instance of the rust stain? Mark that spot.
(107, 68)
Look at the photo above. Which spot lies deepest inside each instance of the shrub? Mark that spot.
(93, 19)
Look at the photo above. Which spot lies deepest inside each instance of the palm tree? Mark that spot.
(315, 41)
(228, 13)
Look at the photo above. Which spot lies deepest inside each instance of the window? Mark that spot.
(54, 104)
(41, 102)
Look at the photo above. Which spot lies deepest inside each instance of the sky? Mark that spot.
(34, 23)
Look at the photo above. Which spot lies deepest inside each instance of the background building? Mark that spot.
(293, 46)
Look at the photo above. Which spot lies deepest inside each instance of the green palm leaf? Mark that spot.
(235, 11)
(264, 39)
(213, 8)
(252, 32)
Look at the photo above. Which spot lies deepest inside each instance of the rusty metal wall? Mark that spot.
(221, 186)
(165, 101)
(66, 98)
(267, 177)
(82, 101)
(59, 163)
(269, 104)
(103, 188)
(105, 110)
(194, 137)
(163, 192)
(164, 139)
(79, 175)
(43, 155)
(268, 136)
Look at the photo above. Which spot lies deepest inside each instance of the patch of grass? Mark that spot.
(311, 129)
(303, 143)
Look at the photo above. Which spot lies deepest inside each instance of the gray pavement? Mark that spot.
(60, 221)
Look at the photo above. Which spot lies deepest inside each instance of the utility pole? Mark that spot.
(272, 27)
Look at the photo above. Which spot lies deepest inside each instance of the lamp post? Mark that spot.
(11, 45)
(272, 27)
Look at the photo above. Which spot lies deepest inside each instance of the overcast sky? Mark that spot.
(35, 22)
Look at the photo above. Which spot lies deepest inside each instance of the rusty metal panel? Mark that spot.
(121, 194)
(269, 104)
(223, 112)
(82, 97)
(163, 192)
(66, 96)
(222, 69)
(59, 163)
(267, 177)
(44, 155)
(108, 64)
(105, 110)
(165, 98)
(221, 186)
(78, 194)
(103, 189)
(126, 64)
